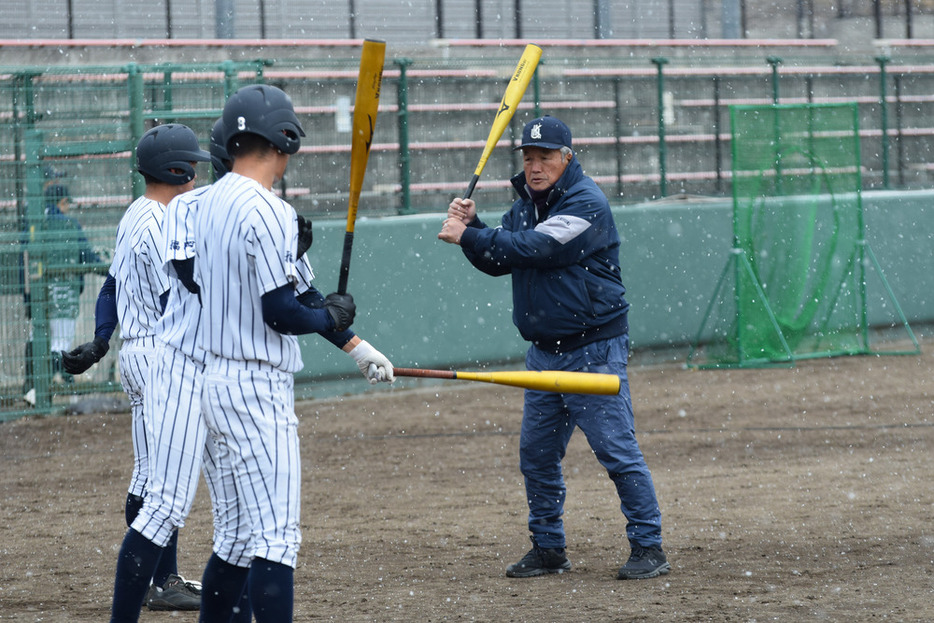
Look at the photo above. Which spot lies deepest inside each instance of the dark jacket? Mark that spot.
(566, 283)
(67, 246)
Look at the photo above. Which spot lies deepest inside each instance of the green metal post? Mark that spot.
(662, 148)
(537, 92)
(167, 103)
(260, 70)
(884, 111)
(899, 135)
(717, 143)
(36, 283)
(402, 96)
(24, 117)
(774, 61)
(230, 78)
(135, 96)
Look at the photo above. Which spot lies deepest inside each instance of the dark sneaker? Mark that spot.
(643, 563)
(175, 594)
(539, 561)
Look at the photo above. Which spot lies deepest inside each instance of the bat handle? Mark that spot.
(345, 263)
(421, 372)
(471, 186)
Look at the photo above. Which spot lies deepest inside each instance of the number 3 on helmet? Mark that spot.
(267, 111)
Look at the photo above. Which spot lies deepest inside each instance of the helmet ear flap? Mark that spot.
(166, 152)
(220, 159)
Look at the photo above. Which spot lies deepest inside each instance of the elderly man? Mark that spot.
(560, 244)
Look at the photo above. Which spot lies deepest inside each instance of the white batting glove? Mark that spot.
(373, 364)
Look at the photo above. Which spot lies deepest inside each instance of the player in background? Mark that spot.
(259, 297)
(71, 248)
(560, 245)
(134, 294)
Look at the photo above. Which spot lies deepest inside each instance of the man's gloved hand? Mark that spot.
(342, 310)
(305, 236)
(373, 364)
(83, 357)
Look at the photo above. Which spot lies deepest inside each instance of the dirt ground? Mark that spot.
(787, 494)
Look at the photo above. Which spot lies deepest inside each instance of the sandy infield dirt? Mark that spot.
(787, 494)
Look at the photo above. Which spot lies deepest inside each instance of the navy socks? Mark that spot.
(271, 591)
(168, 562)
(135, 563)
(270, 588)
(221, 589)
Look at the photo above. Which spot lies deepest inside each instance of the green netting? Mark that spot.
(794, 286)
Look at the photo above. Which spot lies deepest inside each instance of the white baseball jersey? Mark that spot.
(180, 448)
(137, 269)
(245, 241)
(245, 244)
(179, 325)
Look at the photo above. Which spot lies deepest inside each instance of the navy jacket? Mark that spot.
(566, 283)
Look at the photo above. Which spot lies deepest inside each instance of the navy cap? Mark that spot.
(545, 132)
(51, 173)
(57, 192)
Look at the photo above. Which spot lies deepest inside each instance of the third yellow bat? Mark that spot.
(507, 108)
(541, 380)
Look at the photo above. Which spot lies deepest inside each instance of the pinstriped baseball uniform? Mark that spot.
(245, 241)
(173, 398)
(137, 269)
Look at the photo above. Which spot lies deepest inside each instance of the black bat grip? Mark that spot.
(470, 187)
(345, 263)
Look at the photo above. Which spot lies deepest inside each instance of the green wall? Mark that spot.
(423, 305)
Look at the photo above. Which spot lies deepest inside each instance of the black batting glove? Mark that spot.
(84, 356)
(342, 310)
(305, 236)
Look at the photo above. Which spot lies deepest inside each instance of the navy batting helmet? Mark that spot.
(264, 110)
(220, 159)
(166, 152)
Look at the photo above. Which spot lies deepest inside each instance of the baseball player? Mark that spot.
(134, 294)
(173, 397)
(258, 297)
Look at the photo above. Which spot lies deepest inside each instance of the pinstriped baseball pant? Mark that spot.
(249, 409)
(181, 449)
(134, 358)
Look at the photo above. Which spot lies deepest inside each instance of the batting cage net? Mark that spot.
(797, 281)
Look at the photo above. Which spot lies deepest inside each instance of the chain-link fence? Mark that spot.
(644, 129)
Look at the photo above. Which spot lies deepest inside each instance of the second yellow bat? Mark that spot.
(507, 107)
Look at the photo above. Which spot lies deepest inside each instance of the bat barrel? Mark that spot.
(541, 380)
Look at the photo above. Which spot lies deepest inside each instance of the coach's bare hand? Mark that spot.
(463, 209)
(452, 230)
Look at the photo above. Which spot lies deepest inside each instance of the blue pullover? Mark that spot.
(564, 262)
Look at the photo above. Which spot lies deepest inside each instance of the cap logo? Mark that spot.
(536, 132)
